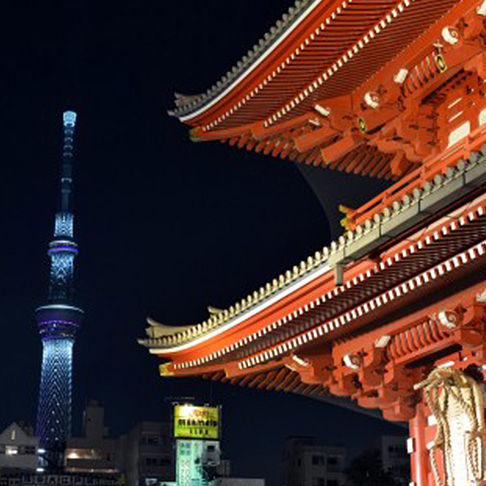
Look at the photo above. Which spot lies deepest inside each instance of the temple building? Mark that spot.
(392, 313)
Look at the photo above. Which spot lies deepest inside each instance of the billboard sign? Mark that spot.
(191, 422)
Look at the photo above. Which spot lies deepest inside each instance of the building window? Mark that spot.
(319, 482)
(333, 482)
(151, 482)
(152, 440)
(157, 461)
(92, 454)
(333, 460)
(318, 460)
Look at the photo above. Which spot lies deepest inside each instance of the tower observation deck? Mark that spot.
(59, 320)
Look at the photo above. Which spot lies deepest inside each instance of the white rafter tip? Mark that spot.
(481, 10)
(352, 361)
(372, 99)
(300, 361)
(401, 76)
(448, 319)
(324, 111)
(450, 35)
(382, 342)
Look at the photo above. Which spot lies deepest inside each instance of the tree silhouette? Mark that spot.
(367, 470)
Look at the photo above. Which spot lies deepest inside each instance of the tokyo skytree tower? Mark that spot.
(59, 320)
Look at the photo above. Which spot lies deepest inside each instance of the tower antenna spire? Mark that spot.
(59, 319)
(69, 124)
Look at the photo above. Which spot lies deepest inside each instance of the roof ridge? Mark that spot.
(187, 103)
(316, 262)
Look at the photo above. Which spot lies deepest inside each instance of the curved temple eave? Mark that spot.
(191, 107)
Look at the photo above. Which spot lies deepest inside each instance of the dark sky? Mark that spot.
(165, 226)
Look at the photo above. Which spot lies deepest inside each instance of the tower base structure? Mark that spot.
(53, 420)
(57, 325)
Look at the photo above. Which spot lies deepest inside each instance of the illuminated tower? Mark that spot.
(59, 320)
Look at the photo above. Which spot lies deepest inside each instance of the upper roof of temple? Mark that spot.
(186, 104)
(416, 68)
(341, 84)
(315, 51)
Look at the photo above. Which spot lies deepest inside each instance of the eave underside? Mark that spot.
(442, 327)
(308, 101)
(278, 379)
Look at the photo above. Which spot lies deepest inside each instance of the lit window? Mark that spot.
(11, 450)
(83, 454)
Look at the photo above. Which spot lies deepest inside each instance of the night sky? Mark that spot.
(165, 226)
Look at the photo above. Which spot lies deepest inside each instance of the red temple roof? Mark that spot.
(389, 89)
(267, 339)
(301, 92)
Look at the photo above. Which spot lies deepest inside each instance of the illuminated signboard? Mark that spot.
(189, 470)
(196, 422)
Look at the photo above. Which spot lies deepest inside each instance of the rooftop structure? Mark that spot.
(94, 451)
(59, 319)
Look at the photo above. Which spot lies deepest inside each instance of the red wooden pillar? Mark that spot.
(419, 452)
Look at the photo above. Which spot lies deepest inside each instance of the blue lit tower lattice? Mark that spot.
(59, 320)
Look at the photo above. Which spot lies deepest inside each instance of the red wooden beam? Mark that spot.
(315, 138)
(339, 149)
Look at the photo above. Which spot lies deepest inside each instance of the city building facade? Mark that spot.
(307, 463)
(146, 455)
(18, 448)
(394, 457)
(57, 479)
(94, 451)
(237, 482)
